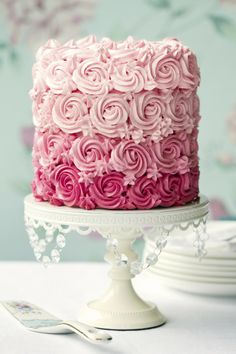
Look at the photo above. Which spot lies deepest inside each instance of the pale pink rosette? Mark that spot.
(89, 155)
(172, 154)
(128, 77)
(70, 112)
(58, 77)
(108, 191)
(172, 66)
(143, 194)
(91, 76)
(131, 159)
(179, 111)
(66, 181)
(147, 110)
(163, 72)
(109, 115)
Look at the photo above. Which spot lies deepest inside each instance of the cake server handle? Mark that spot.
(87, 332)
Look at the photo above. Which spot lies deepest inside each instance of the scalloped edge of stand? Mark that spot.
(102, 217)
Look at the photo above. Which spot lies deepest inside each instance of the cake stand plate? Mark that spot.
(120, 308)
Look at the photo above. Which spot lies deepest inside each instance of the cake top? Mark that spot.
(130, 66)
(129, 89)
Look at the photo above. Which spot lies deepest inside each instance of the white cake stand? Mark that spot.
(120, 308)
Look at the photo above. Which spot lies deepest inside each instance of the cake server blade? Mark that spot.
(36, 319)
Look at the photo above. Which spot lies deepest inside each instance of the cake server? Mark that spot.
(36, 319)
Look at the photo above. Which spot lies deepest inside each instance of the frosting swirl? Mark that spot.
(91, 76)
(70, 113)
(58, 77)
(65, 179)
(179, 110)
(147, 110)
(128, 77)
(108, 191)
(171, 154)
(131, 159)
(109, 115)
(89, 155)
(143, 194)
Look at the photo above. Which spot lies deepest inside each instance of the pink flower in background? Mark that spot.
(34, 21)
(27, 136)
(232, 125)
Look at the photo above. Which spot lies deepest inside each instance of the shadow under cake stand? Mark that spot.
(120, 308)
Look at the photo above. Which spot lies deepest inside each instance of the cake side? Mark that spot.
(116, 124)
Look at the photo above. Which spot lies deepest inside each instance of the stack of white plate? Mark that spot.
(215, 274)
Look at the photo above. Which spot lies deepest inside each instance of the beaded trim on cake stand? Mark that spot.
(121, 308)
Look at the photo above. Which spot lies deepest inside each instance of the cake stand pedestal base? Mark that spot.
(120, 308)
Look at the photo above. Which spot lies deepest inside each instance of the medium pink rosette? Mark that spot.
(52, 148)
(143, 194)
(68, 190)
(91, 76)
(171, 154)
(179, 111)
(70, 113)
(131, 159)
(89, 155)
(58, 76)
(108, 191)
(147, 110)
(109, 115)
(128, 77)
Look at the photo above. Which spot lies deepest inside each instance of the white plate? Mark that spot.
(196, 266)
(228, 262)
(197, 287)
(206, 272)
(194, 278)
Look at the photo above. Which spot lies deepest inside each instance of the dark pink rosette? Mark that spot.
(172, 154)
(89, 155)
(65, 179)
(108, 191)
(42, 187)
(168, 187)
(143, 194)
(178, 189)
(131, 159)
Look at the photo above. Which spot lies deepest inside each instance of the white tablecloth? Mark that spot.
(195, 324)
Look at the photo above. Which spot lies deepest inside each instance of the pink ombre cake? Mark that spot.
(116, 124)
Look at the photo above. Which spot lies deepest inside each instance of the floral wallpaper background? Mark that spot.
(208, 27)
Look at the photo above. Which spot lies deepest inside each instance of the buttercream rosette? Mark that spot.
(116, 123)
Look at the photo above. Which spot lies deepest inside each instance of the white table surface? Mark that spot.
(195, 324)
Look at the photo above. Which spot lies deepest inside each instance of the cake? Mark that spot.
(116, 124)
